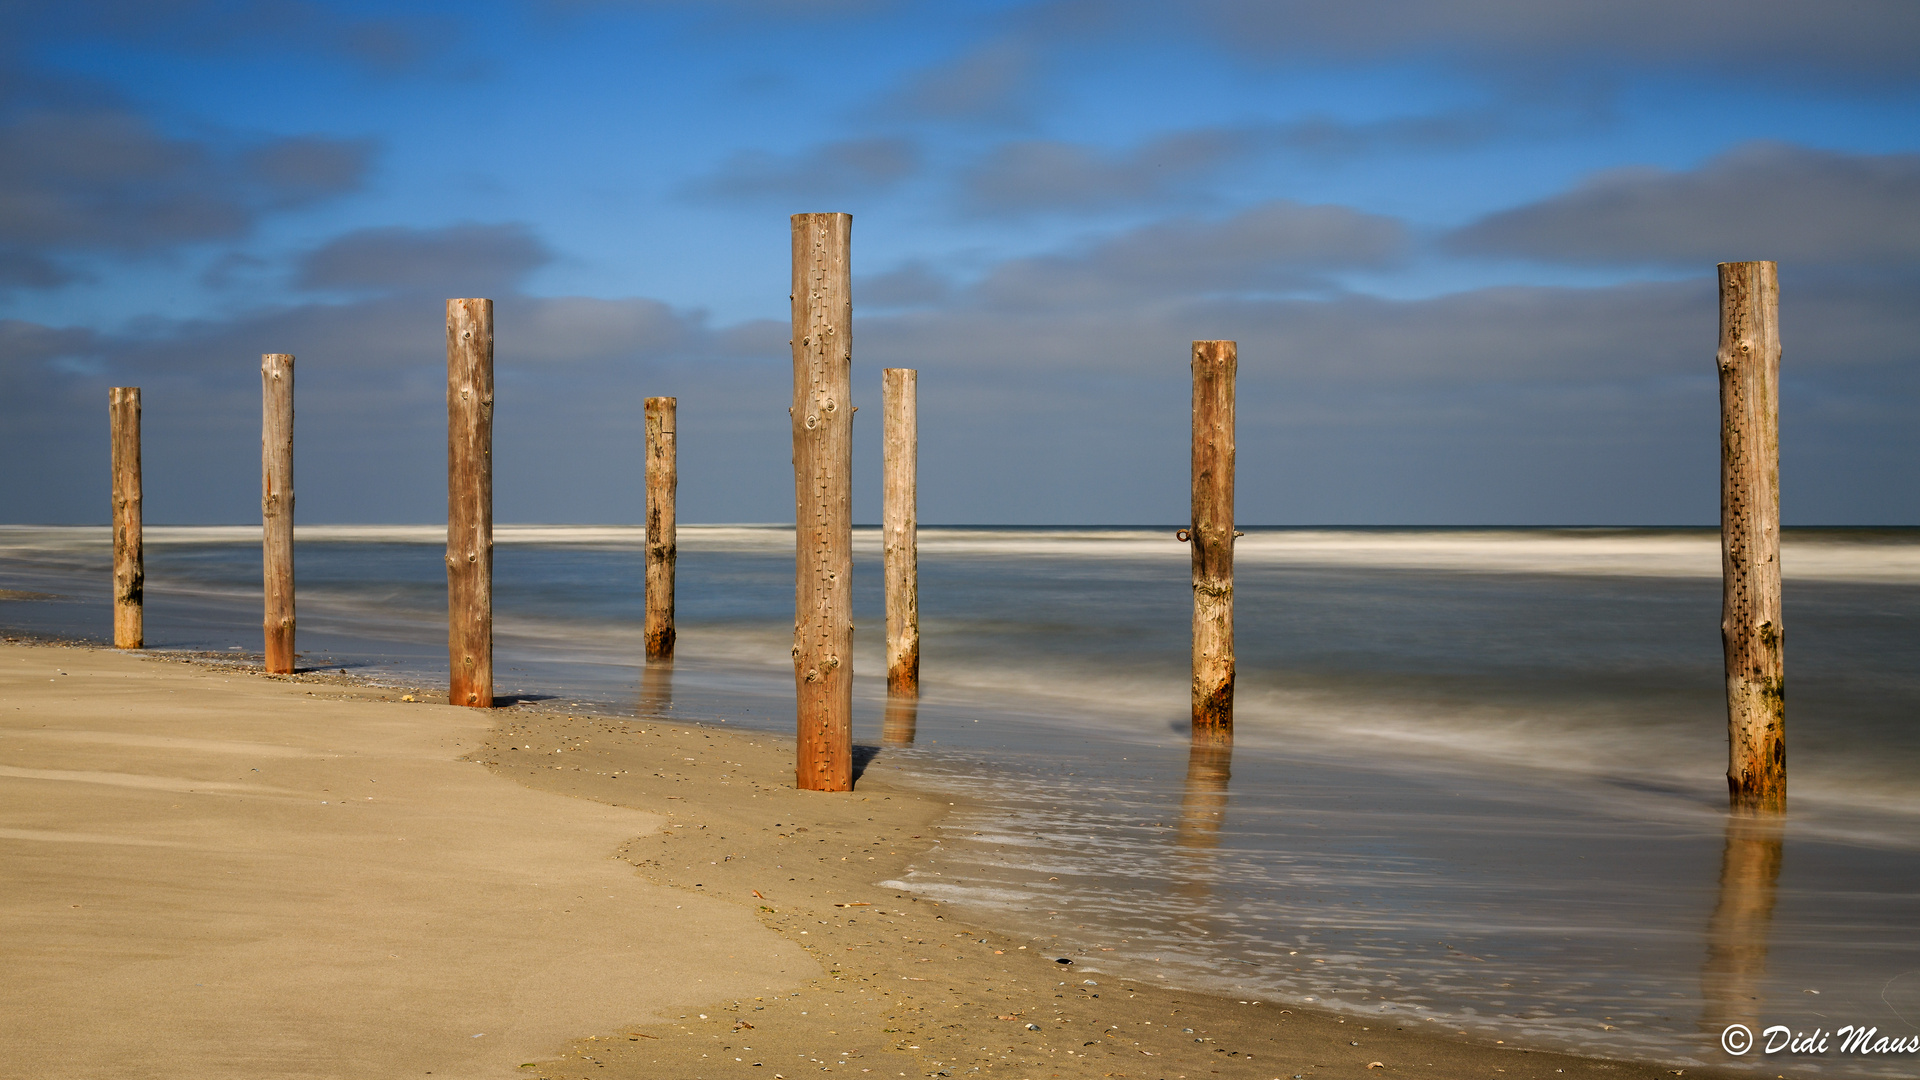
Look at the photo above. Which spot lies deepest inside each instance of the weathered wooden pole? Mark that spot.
(823, 500)
(129, 560)
(1211, 536)
(900, 525)
(1750, 625)
(276, 507)
(470, 502)
(663, 482)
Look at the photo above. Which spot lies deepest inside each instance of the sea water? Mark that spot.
(1477, 783)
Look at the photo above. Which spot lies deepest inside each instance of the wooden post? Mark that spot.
(823, 500)
(663, 482)
(1211, 536)
(276, 507)
(470, 502)
(129, 561)
(899, 394)
(1750, 626)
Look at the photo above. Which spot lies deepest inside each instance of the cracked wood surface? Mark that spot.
(276, 509)
(1211, 538)
(129, 559)
(470, 501)
(823, 500)
(899, 394)
(1751, 627)
(663, 485)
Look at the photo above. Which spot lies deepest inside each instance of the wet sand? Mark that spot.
(212, 873)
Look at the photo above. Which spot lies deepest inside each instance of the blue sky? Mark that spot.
(1467, 247)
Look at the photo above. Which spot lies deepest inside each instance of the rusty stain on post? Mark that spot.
(823, 500)
(1211, 537)
(276, 508)
(470, 502)
(899, 396)
(129, 560)
(663, 483)
(1751, 627)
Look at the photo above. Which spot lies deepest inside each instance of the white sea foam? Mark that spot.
(1888, 557)
(1820, 556)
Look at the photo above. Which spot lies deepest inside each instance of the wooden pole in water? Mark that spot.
(129, 561)
(470, 502)
(663, 483)
(1211, 536)
(899, 395)
(823, 500)
(1750, 627)
(276, 508)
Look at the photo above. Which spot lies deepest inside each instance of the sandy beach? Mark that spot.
(213, 873)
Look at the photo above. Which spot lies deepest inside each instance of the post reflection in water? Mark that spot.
(1731, 981)
(1203, 810)
(903, 714)
(656, 689)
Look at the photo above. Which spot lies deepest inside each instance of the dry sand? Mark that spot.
(216, 874)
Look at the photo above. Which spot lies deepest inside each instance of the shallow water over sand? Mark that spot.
(1478, 775)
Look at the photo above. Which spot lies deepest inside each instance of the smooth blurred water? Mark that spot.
(1479, 774)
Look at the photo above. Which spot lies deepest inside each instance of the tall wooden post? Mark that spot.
(1750, 626)
(663, 483)
(129, 560)
(823, 500)
(470, 502)
(1211, 536)
(276, 507)
(900, 524)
